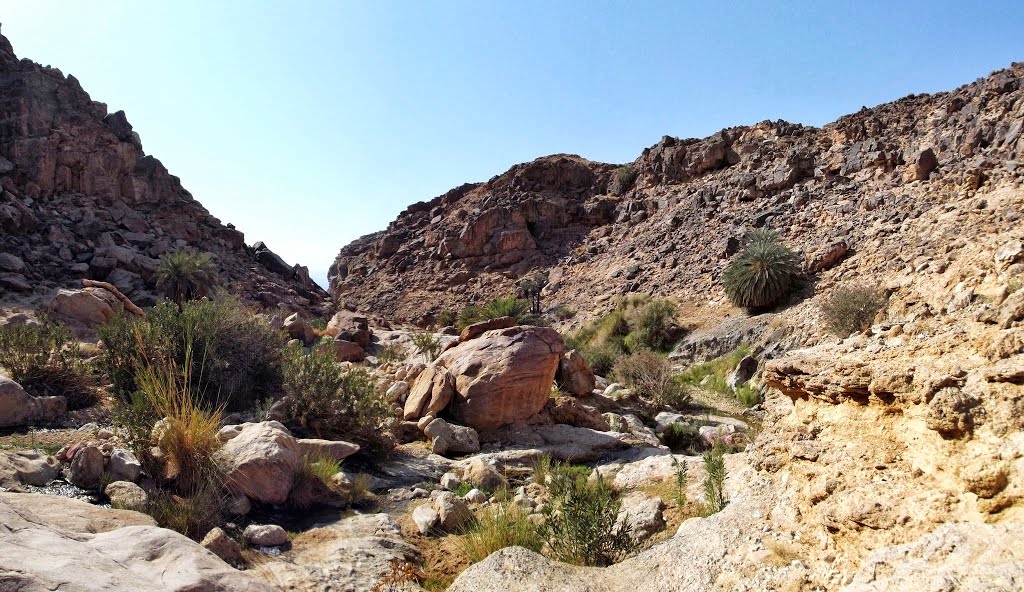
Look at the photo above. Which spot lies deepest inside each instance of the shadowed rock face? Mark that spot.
(79, 198)
(830, 190)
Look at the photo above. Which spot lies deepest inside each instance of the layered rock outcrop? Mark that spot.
(79, 198)
(669, 222)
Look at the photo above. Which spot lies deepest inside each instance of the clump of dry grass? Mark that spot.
(502, 526)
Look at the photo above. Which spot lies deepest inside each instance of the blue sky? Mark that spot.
(308, 124)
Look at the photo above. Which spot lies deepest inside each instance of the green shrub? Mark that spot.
(582, 520)
(44, 359)
(426, 344)
(748, 395)
(654, 327)
(186, 275)
(324, 403)
(236, 354)
(446, 318)
(500, 526)
(683, 438)
(650, 375)
(681, 479)
(714, 482)
(564, 313)
(193, 515)
(601, 358)
(711, 376)
(468, 315)
(762, 274)
(850, 309)
(517, 308)
(626, 176)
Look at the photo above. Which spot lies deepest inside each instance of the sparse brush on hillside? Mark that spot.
(326, 403)
(237, 354)
(626, 176)
(44, 358)
(712, 376)
(511, 306)
(636, 324)
(650, 374)
(763, 274)
(426, 344)
(186, 275)
(851, 309)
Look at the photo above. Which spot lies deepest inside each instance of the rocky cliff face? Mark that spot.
(81, 199)
(833, 191)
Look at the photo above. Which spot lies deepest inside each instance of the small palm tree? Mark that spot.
(763, 273)
(186, 275)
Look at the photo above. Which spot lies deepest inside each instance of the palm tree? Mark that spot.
(186, 275)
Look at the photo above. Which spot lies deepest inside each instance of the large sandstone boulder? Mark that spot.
(350, 326)
(20, 408)
(84, 310)
(503, 376)
(260, 462)
(27, 467)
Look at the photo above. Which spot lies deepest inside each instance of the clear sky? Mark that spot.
(308, 124)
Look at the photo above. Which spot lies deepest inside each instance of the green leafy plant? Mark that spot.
(446, 318)
(712, 376)
(44, 359)
(714, 482)
(427, 345)
(564, 313)
(500, 526)
(763, 273)
(517, 308)
(681, 479)
(186, 275)
(851, 309)
(601, 358)
(325, 403)
(582, 520)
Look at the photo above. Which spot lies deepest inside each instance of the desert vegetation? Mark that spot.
(851, 308)
(46, 360)
(763, 273)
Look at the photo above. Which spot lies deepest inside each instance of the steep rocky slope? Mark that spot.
(81, 199)
(847, 187)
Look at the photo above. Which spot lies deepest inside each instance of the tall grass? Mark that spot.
(503, 525)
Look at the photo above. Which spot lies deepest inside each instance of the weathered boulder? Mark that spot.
(477, 329)
(123, 465)
(220, 544)
(84, 310)
(641, 514)
(570, 411)
(350, 326)
(452, 512)
(103, 550)
(298, 328)
(336, 449)
(20, 408)
(260, 462)
(484, 475)
(348, 351)
(503, 376)
(426, 518)
(126, 495)
(27, 467)
(574, 375)
(430, 394)
(86, 467)
(450, 438)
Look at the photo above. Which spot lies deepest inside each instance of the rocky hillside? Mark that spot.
(667, 223)
(81, 199)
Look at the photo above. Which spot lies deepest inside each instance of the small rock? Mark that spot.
(125, 495)
(452, 511)
(220, 544)
(265, 535)
(483, 475)
(426, 518)
(123, 465)
(239, 505)
(475, 496)
(86, 467)
(450, 481)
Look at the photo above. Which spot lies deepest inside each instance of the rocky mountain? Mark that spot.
(668, 222)
(81, 199)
